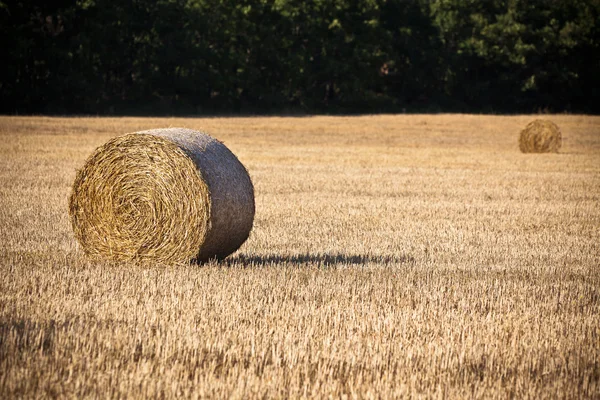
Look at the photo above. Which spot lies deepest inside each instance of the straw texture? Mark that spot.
(540, 136)
(169, 195)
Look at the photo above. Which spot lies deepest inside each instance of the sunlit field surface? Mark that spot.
(391, 256)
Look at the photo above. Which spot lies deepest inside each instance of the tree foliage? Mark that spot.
(258, 56)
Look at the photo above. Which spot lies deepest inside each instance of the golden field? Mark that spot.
(391, 257)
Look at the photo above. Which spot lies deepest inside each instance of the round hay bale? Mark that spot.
(540, 136)
(168, 195)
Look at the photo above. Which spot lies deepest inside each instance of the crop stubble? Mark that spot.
(391, 255)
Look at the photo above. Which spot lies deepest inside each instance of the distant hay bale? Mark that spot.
(169, 195)
(540, 136)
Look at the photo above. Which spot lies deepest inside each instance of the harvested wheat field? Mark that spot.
(391, 256)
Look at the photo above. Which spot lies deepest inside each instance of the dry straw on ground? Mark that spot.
(168, 195)
(540, 136)
(397, 256)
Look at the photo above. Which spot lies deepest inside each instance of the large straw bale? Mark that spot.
(540, 136)
(169, 195)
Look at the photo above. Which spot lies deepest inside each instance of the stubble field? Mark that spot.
(391, 256)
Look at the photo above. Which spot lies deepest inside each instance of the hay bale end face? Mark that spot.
(540, 136)
(168, 195)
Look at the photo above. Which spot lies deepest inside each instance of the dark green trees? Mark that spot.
(262, 56)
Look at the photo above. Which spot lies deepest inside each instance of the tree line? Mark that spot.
(314, 56)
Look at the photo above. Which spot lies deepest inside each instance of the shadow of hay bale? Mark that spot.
(306, 259)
